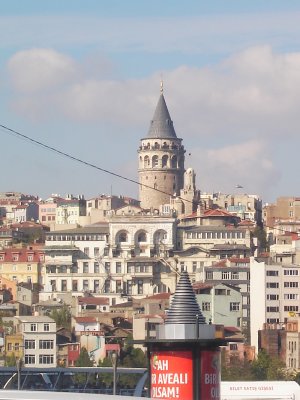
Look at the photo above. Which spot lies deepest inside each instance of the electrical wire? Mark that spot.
(88, 164)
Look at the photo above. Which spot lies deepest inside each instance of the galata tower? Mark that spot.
(161, 160)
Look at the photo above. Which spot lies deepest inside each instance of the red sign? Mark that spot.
(210, 375)
(172, 375)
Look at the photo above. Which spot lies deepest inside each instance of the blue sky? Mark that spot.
(83, 76)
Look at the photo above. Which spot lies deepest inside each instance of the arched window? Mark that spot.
(160, 236)
(122, 237)
(142, 237)
(156, 145)
(146, 162)
(155, 185)
(154, 161)
(174, 162)
(164, 161)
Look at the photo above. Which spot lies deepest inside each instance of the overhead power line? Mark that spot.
(86, 163)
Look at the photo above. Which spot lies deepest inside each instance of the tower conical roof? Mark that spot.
(161, 125)
(184, 307)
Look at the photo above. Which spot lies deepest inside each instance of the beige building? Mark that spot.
(39, 340)
(285, 208)
(21, 264)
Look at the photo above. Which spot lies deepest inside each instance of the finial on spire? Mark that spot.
(161, 85)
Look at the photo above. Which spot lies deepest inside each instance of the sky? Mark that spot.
(84, 77)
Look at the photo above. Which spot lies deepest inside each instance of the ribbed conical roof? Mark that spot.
(161, 126)
(184, 307)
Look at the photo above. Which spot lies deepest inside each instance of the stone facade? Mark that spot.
(161, 160)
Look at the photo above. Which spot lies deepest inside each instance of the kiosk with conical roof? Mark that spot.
(184, 359)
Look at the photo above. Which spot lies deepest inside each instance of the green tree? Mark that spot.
(261, 236)
(235, 369)
(266, 367)
(62, 317)
(84, 359)
(10, 361)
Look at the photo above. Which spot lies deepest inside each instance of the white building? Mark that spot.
(74, 262)
(274, 294)
(39, 340)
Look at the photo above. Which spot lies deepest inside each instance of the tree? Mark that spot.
(84, 359)
(235, 369)
(261, 236)
(266, 367)
(62, 317)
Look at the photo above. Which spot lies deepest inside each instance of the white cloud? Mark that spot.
(250, 98)
(247, 163)
(38, 70)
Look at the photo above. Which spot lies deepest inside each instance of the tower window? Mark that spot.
(146, 161)
(164, 161)
(174, 162)
(155, 161)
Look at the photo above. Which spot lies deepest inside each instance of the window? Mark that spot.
(86, 251)
(107, 267)
(208, 275)
(9, 346)
(96, 286)
(15, 257)
(273, 320)
(291, 308)
(29, 267)
(33, 327)
(290, 272)
(272, 273)
(205, 306)
(64, 285)
(96, 252)
(46, 327)
(107, 286)
(85, 268)
(119, 286)
(46, 359)
(129, 287)
(96, 268)
(234, 275)
(272, 309)
(140, 285)
(233, 346)
(46, 344)
(14, 267)
(85, 285)
(29, 359)
(220, 292)
(118, 267)
(235, 306)
(225, 275)
(74, 285)
(194, 266)
(272, 296)
(291, 296)
(272, 285)
(291, 284)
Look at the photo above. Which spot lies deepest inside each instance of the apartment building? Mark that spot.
(22, 264)
(39, 340)
(74, 262)
(220, 303)
(274, 294)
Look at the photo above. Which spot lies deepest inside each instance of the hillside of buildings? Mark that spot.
(79, 277)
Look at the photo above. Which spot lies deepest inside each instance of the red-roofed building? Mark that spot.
(89, 303)
(22, 264)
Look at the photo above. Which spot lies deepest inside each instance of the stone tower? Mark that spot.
(161, 160)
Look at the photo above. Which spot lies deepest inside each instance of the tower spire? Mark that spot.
(161, 85)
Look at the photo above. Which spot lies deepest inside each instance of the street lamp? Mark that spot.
(19, 363)
(114, 360)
